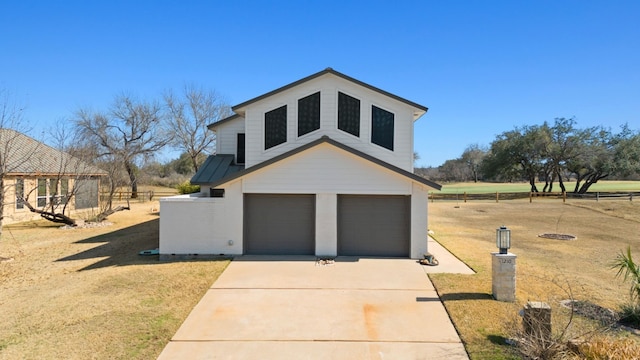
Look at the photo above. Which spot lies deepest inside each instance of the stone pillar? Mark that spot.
(503, 275)
(536, 320)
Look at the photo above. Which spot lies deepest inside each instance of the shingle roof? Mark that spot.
(216, 167)
(27, 156)
(325, 139)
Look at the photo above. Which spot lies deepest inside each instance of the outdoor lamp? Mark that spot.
(503, 239)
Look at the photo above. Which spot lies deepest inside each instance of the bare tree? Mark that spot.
(11, 157)
(129, 130)
(188, 117)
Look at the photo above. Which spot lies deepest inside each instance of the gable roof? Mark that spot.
(27, 156)
(323, 140)
(238, 108)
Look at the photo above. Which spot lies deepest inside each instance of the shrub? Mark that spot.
(605, 348)
(631, 272)
(188, 188)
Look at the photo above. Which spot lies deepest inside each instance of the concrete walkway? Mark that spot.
(272, 307)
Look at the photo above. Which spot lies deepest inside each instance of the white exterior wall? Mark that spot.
(326, 224)
(326, 169)
(329, 86)
(226, 136)
(201, 225)
(419, 220)
(191, 224)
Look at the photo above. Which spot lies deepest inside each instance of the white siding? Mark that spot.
(227, 136)
(326, 168)
(419, 221)
(329, 86)
(199, 225)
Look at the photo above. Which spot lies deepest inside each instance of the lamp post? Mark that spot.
(503, 267)
(503, 239)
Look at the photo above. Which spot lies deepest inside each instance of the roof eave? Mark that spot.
(326, 139)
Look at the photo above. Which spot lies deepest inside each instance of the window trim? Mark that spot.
(393, 135)
(319, 93)
(338, 114)
(286, 127)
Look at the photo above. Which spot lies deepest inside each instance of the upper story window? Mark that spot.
(309, 114)
(382, 127)
(348, 114)
(275, 127)
(240, 149)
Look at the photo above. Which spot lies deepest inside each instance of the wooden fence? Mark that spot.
(143, 196)
(497, 196)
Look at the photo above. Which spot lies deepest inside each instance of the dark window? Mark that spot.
(275, 127)
(309, 114)
(19, 193)
(42, 193)
(240, 149)
(217, 193)
(348, 114)
(382, 127)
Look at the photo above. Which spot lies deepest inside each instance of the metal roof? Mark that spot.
(27, 156)
(216, 167)
(322, 140)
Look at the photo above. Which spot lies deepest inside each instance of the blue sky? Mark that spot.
(482, 67)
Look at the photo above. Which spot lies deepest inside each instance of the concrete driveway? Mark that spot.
(296, 308)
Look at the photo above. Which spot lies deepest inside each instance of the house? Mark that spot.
(43, 175)
(322, 166)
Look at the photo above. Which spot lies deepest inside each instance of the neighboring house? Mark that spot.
(322, 166)
(41, 174)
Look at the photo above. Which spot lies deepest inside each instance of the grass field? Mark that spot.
(87, 294)
(483, 187)
(546, 269)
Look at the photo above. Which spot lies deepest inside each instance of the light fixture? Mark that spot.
(503, 239)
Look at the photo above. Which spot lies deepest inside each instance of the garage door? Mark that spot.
(276, 224)
(371, 225)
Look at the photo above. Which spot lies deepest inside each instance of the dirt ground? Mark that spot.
(87, 294)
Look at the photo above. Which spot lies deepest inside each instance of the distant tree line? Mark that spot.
(547, 153)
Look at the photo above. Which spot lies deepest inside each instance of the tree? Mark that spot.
(12, 123)
(129, 130)
(518, 153)
(188, 118)
(472, 157)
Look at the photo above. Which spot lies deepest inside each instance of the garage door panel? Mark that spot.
(277, 224)
(370, 225)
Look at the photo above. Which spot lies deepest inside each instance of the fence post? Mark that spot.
(530, 197)
(497, 196)
(464, 196)
(564, 196)
(597, 196)
(630, 196)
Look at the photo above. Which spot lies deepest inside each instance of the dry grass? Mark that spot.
(546, 268)
(86, 293)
